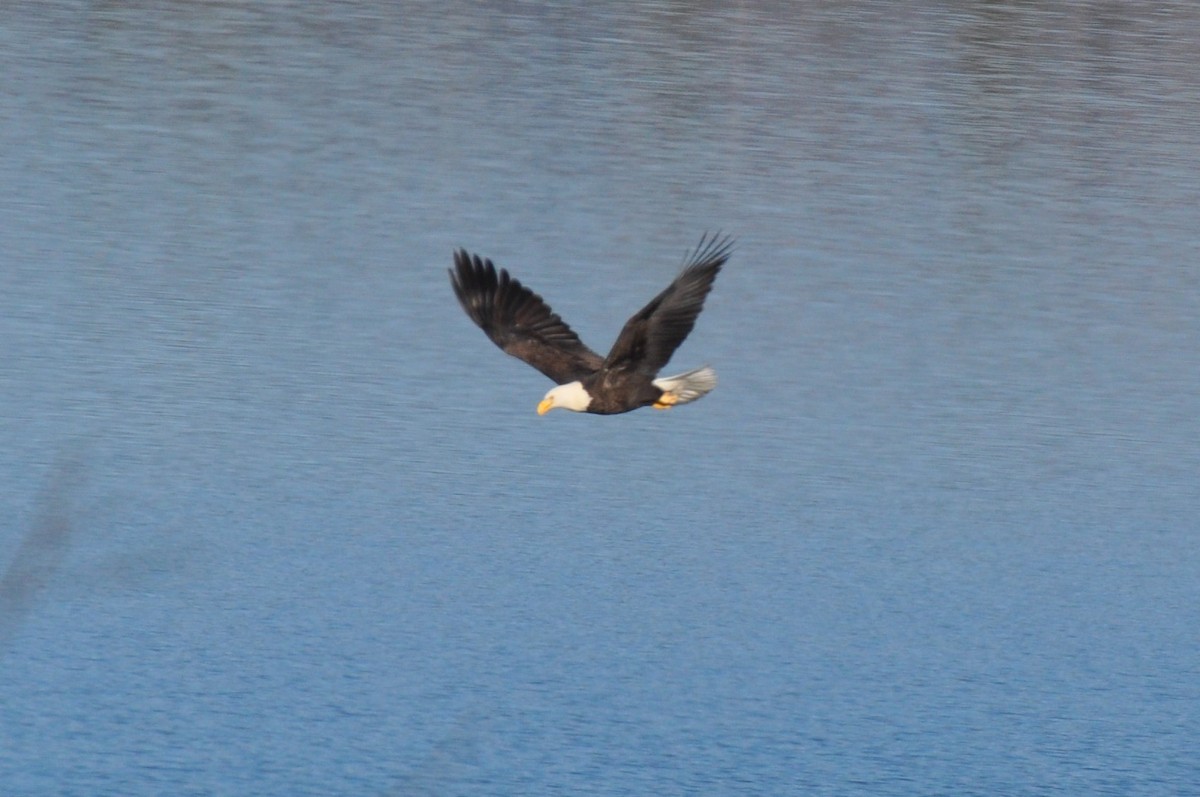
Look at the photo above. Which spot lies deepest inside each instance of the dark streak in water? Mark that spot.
(41, 553)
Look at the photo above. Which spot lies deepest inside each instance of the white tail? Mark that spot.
(689, 385)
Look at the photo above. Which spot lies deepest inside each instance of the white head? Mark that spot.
(570, 396)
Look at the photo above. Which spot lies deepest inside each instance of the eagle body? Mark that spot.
(518, 321)
(614, 392)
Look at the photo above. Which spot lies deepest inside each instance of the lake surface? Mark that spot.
(279, 520)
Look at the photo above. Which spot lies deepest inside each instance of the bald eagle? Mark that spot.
(520, 323)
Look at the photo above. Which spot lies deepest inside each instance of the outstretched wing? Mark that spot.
(518, 321)
(651, 336)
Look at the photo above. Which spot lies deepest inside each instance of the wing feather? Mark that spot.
(519, 321)
(652, 335)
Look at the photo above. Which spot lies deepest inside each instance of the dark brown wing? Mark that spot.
(651, 336)
(518, 321)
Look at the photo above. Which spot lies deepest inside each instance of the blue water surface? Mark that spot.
(281, 521)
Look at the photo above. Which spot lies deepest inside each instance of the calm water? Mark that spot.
(279, 520)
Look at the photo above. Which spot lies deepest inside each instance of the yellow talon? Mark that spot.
(666, 401)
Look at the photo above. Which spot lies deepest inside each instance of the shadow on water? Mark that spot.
(456, 754)
(42, 551)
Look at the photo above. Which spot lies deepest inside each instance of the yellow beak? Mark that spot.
(546, 405)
